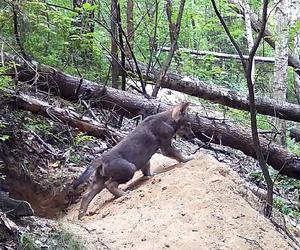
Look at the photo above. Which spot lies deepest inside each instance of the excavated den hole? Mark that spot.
(46, 202)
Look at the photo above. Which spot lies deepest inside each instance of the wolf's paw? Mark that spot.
(80, 215)
(124, 197)
(188, 158)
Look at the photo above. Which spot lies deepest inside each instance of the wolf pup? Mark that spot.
(118, 165)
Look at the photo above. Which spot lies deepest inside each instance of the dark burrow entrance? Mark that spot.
(47, 202)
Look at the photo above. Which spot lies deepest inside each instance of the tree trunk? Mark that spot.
(85, 24)
(293, 60)
(249, 35)
(114, 45)
(295, 15)
(66, 116)
(130, 105)
(218, 94)
(122, 48)
(16, 208)
(281, 61)
(130, 27)
(174, 34)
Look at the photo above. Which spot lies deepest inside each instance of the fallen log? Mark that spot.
(15, 208)
(130, 105)
(259, 59)
(217, 94)
(65, 116)
(184, 84)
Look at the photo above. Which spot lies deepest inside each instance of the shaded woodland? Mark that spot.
(77, 76)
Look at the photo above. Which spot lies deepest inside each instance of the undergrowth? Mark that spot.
(59, 239)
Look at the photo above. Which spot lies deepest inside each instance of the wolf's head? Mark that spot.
(180, 118)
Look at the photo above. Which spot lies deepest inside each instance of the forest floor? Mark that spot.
(202, 204)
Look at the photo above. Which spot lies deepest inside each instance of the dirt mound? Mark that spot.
(197, 205)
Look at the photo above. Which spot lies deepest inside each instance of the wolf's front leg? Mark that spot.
(175, 153)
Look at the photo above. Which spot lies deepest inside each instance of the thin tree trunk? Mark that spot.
(114, 45)
(256, 23)
(85, 24)
(281, 61)
(153, 41)
(174, 38)
(130, 27)
(295, 15)
(122, 48)
(247, 66)
(17, 34)
(249, 34)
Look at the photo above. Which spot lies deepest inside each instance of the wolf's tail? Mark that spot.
(92, 167)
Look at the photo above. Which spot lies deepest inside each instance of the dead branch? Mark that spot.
(220, 55)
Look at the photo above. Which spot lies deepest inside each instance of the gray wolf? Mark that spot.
(118, 165)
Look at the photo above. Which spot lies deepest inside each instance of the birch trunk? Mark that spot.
(295, 15)
(249, 34)
(281, 60)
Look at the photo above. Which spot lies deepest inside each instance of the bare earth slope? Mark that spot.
(197, 205)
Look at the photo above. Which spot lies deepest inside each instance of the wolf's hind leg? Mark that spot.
(95, 187)
(112, 187)
(146, 169)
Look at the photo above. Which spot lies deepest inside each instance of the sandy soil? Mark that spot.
(197, 205)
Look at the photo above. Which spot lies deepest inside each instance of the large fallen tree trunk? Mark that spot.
(65, 116)
(217, 94)
(259, 59)
(190, 86)
(130, 105)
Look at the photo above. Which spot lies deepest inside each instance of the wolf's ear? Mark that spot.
(179, 110)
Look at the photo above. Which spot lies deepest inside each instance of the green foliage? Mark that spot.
(292, 146)
(60, 239)
(285, 208)
(35, 124)
(256, 176)
(82, 138)
(27, 243)
(63, 240)
(4, 80)
(75, 158)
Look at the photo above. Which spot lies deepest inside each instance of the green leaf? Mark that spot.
(87, 6)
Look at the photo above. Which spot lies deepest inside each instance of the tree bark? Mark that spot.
(174, 34)
(130, 27)
(130, 105)
(249, 35)
(281, 61)
(217, 94)
(65, 116)
(114, 45)
(16, 208)
(295, 15)
(85, 24)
